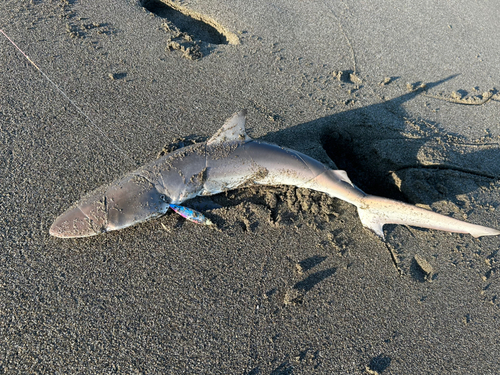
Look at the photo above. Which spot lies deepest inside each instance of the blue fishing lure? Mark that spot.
(191, 215)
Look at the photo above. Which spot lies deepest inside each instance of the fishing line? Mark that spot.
(79, 110)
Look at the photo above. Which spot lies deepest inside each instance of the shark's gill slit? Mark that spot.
(199, 26)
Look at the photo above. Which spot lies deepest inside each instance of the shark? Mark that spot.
(229, 160)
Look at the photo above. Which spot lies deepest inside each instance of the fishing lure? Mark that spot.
(191, 215)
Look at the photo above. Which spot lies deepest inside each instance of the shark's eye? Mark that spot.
(164, 198)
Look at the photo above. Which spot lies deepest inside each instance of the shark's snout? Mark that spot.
(73, 223)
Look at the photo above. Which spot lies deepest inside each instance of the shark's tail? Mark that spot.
(374, 212)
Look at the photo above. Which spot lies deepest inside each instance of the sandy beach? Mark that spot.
(401, 95)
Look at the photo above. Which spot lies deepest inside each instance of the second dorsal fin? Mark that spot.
(232, 130)
(341, 174)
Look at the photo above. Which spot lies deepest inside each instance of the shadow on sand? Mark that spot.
(372, 144)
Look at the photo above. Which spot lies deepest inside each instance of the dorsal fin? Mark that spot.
(343, 176)
(232, 130)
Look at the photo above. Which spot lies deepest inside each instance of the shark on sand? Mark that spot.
(229, 160)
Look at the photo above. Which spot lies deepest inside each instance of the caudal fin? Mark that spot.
(374, 212)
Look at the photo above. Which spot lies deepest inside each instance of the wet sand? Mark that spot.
(401, 96)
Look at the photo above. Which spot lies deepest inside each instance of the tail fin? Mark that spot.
(374, 212)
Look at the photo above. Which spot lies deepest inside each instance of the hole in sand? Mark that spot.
(187, 21)
(362, 164)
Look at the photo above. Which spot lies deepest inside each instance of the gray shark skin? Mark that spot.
(230, 160)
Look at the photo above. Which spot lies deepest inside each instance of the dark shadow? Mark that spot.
(117, 76)
(271, 292)
(186, 24)
(370, 145)
(254, 371)
(284, 369)
(421, 272)
(311, 262)
(379, 363)
(312, 280)
(416, 272)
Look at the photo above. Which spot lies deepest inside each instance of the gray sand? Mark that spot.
(290, 282)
